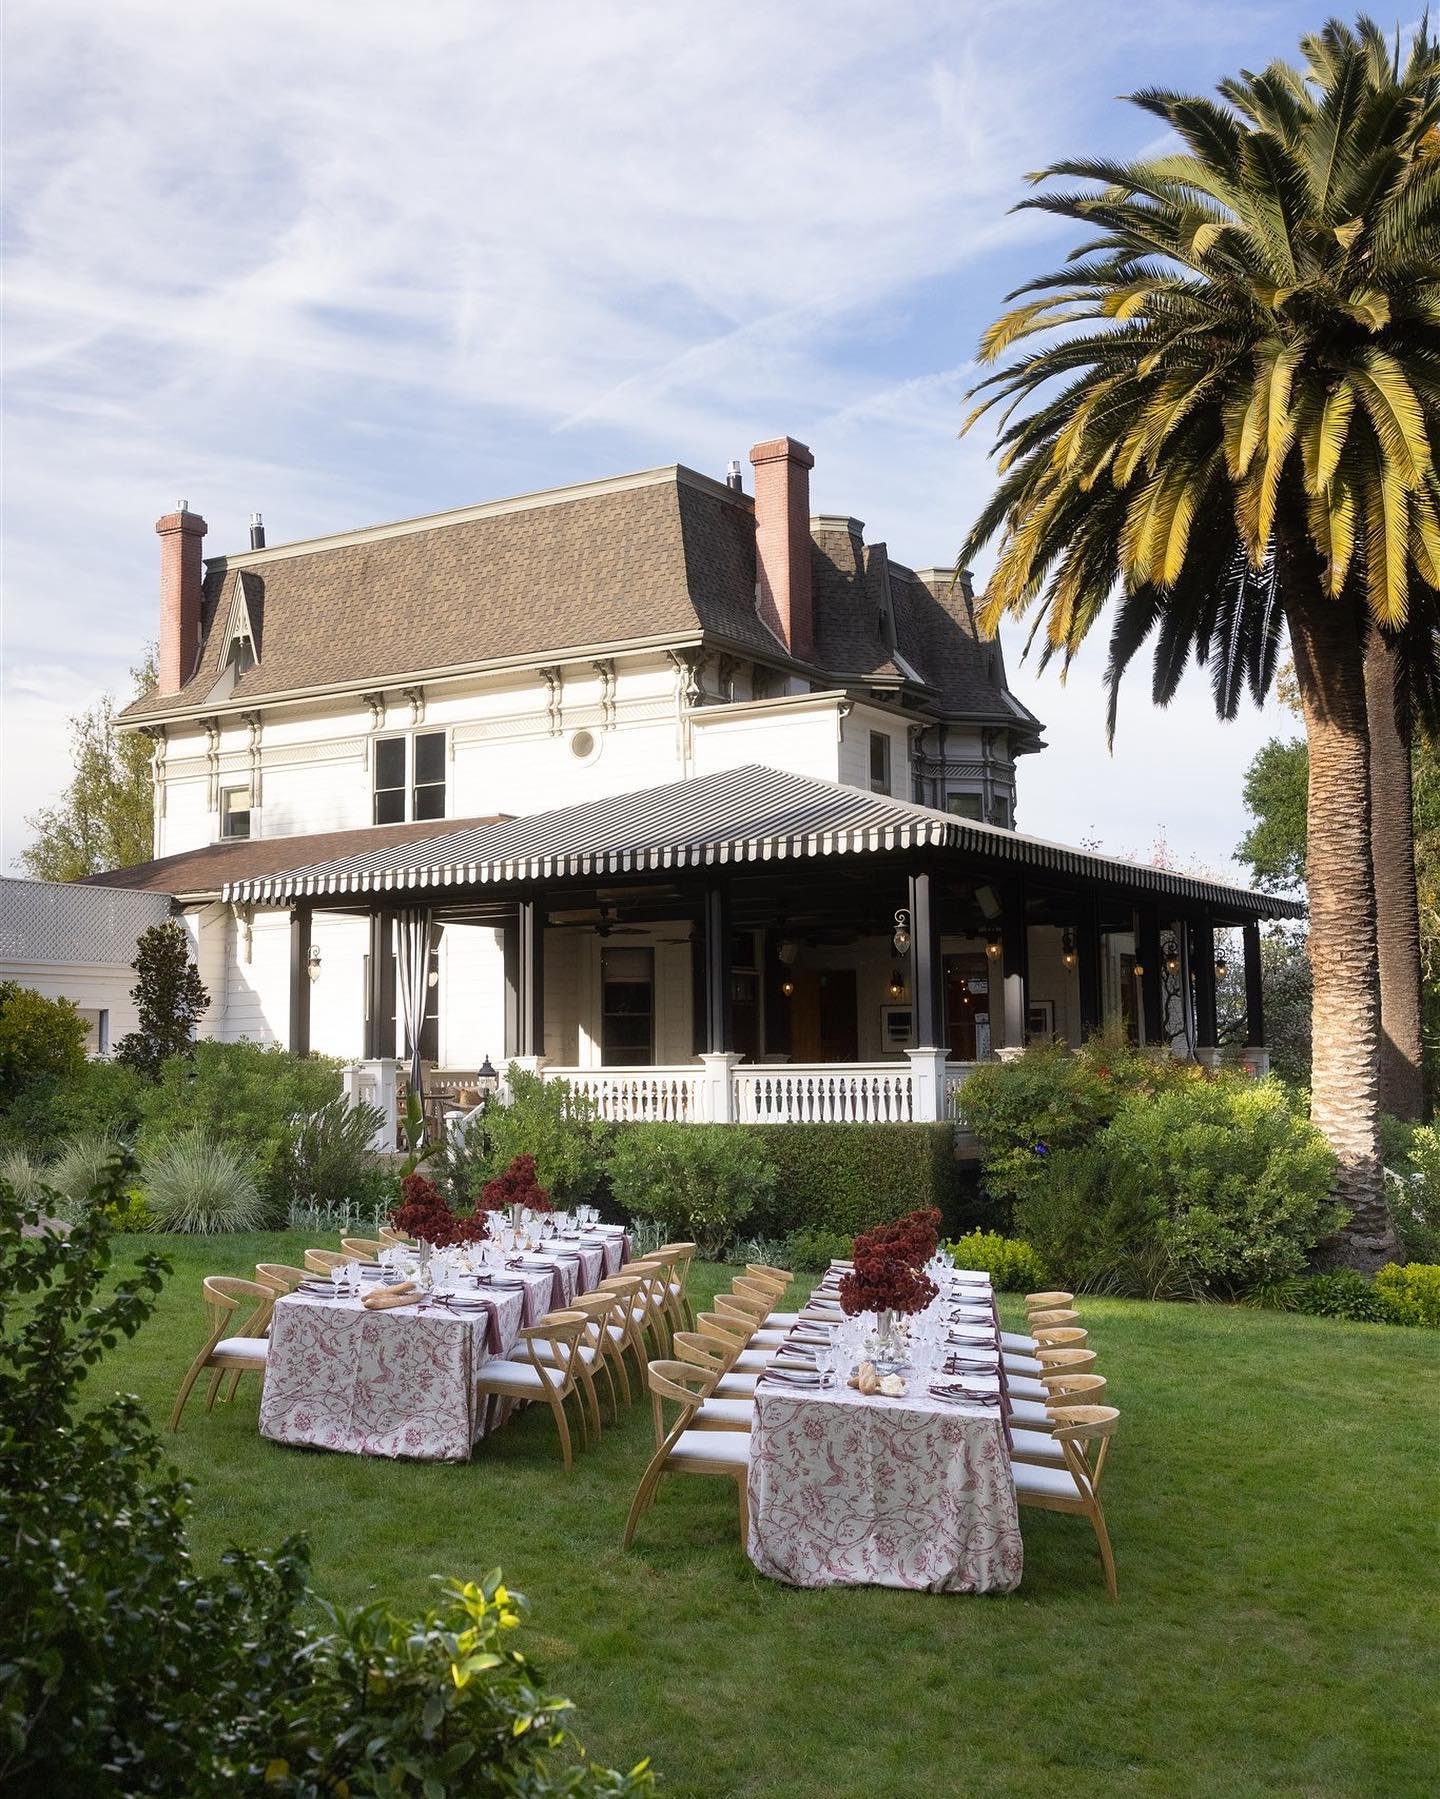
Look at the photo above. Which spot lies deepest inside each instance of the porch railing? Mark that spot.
(856, 1093)
(626, 1095)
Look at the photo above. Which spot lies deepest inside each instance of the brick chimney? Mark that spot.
(181, 534)
(782, 541)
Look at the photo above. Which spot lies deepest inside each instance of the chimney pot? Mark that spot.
(257, 531)
(782, 541)
(733, 478)
(182, 535)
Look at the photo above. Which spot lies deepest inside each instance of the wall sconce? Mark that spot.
(992, 945)
(787, 987)
(312, 962)
(897, 985)
(1222, 968)
(901, 939)
(1067, 948)
(1139, 970)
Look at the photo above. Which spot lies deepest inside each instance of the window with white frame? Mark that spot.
(879, 762)
(409, 777)
(235, 811)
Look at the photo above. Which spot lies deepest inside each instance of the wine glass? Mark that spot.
(337, 1279)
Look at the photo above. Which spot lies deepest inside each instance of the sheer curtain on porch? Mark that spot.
(413, 928)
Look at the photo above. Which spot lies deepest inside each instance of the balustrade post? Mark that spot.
(717, 1087)
(927, 1085)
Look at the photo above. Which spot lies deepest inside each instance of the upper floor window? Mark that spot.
(963, 805)
(410, 777)
(235, 812)
(879, 762)
(1000, 813)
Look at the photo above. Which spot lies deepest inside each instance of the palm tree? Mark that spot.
(1243, 441)
(1397, 904)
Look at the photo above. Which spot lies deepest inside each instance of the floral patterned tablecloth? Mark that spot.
(402, 1382)
(848, 1490)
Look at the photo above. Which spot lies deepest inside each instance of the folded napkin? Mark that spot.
(792, 1377)
(962, 1395)
(386, 1299)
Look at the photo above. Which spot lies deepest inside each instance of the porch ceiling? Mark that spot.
(742, 816)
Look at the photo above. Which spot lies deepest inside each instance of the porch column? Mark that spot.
(525, 982)
(380, 991)
(1087, 967)
(1147, 944)
(719, 1038)
(1254, 989)
(926, 970)
(1202, 968)
(1015, 964)
(299, 1038)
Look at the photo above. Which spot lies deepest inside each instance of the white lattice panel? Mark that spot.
(52, 921)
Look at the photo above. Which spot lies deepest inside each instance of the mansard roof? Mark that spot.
(665, 558)
(744, 815)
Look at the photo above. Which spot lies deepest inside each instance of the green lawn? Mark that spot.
(1271, 1499)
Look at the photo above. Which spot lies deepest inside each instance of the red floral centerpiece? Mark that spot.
(516, 1186)
(912, 1238)
(424, 1215)
(885, 1283)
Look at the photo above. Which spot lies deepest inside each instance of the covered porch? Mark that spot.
(760, 947)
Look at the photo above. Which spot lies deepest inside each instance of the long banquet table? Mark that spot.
(401, 1382)
(914, 1491)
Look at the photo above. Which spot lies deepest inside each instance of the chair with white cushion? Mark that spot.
(1074, 1488)
(586, 1356)
(321, 1261)
(683, 1255)
(226, 1350)
(1033, 1440)
(684, 1449)
(528, 1378)
(362, 1249)
(717, 1357)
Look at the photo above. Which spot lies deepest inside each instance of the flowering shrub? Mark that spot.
(1412, 1293)
(880, 1282)
(1022, 1112)
(423, 1214)
(517, 1186)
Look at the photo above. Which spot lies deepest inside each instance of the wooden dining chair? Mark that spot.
(1064, 1336)
(778, 1279)
(1072, 1361)
(1044, 1302)
(321, 1261)
(685, 1450)
(227, 1350)
(1074, 1488)
(734, 1335)
(587, 1355)
(1037, 1442)
(653, 1275)
(1044, 1321)
(681, 1310)
(281, 1276)
(524, 1378)
(615, 1336)
(626, 1327)
(393, 1239)
(362, 1249)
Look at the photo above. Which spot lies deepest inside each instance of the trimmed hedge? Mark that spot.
(846, 1177)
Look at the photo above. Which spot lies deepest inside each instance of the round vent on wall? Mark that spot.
(584, 746)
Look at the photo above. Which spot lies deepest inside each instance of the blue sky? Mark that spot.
(344, 263)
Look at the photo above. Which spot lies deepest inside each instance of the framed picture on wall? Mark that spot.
(1040, 1020)
(896, 1028)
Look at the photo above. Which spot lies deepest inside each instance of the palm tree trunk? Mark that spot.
(1327, 641)
(1392, 848)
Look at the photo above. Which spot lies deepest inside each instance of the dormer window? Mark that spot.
(409, 777)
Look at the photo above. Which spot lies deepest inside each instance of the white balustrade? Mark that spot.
(956, 1075)
(854, 1093)
(626, 1095)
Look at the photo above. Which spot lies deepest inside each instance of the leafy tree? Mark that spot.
(1275, 793)
(105, 819)
(1275, 849)
(124, 1671)
(40, 1039)
(1243, 442)
(169, 997)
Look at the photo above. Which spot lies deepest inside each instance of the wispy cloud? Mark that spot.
(346, 262)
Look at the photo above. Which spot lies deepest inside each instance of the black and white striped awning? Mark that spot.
(742, 815)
